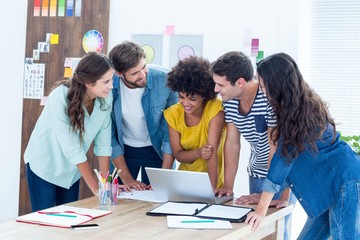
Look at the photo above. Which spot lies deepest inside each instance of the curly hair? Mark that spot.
(91, 68)
(192, 76)
(302, 116)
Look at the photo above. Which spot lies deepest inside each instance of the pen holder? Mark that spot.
(104, 196)
(114, 193)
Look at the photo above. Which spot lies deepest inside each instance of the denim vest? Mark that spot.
(315, 178)
(157, 97)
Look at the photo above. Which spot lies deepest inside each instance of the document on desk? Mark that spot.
(202, 210)
(196, 223)
(144, 195)
(62, 216)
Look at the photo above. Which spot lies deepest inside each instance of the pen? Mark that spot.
(197, 221)
(60, 215)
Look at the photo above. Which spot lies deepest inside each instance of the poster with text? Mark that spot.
(34, 79)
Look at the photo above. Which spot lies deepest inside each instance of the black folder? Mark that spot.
(202, 210)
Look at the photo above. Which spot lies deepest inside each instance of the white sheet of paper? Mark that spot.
(145, 195)
(223, 211)
(179, 208)
(196, 223)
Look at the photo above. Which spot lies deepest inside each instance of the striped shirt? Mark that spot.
(254, 128)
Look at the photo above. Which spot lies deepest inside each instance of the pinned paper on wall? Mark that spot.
(247, 36)
(61, 8)
(36, 8)
(45, 8)
(34, 78)
(53, 4)
(152, 46)
(71, 62)
(43, 47)
(43, 101)
(170, 29)
(54, 39)
(259, 56)
(254, 47)
(36, 54)
(67, 72)
(183, 46)
(48, 36)
(69, 8)
(93, 41)
(78, 8)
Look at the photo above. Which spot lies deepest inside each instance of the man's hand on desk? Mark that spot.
(255, 197)
(223, 191)
(248, 199)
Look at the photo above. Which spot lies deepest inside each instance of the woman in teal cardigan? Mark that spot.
(76, 114)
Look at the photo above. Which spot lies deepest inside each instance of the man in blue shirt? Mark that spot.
(139, 131)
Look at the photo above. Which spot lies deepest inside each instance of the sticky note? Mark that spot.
(170, 29)
(54, 39)
(67, 73)
(43, 101)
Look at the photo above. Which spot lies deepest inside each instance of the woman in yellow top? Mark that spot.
(196, 123)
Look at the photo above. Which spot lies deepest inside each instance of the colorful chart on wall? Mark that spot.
(152, 45)
(183, 46)
(93, 41)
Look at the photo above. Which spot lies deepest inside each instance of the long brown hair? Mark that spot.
(301, 114)
(91, 68)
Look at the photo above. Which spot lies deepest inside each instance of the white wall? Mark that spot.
(13, 26)
(222, 24)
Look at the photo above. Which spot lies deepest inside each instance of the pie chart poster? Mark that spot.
(183, 46)
(152, 45)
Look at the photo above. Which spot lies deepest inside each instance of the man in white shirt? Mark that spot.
(139, 131)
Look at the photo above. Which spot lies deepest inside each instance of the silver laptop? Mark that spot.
(183, 186)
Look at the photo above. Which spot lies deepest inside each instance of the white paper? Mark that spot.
(223, 211)
(196, 223)
(179, 208)
(145, 195)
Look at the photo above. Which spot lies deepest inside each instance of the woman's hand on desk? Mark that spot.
(254, 219)
(124, 188)
(135, 184)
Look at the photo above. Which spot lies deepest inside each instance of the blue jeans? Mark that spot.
(341, 221)
(137, 158)
(255, 185)
(44, 194)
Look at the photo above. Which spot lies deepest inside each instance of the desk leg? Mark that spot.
(280, 228)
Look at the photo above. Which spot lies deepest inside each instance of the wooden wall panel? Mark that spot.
(94, 15)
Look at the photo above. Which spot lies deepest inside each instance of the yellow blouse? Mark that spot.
(196, 136)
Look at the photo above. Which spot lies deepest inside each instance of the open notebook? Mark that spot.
(202, 210)
(62, 216)
(183, 186)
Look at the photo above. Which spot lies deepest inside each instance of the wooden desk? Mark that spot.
(129, 221)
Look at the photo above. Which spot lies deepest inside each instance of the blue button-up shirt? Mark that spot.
(315, 178)
(54, 148)
(157, 97)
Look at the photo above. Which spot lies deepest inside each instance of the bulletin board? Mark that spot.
(58, 33)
